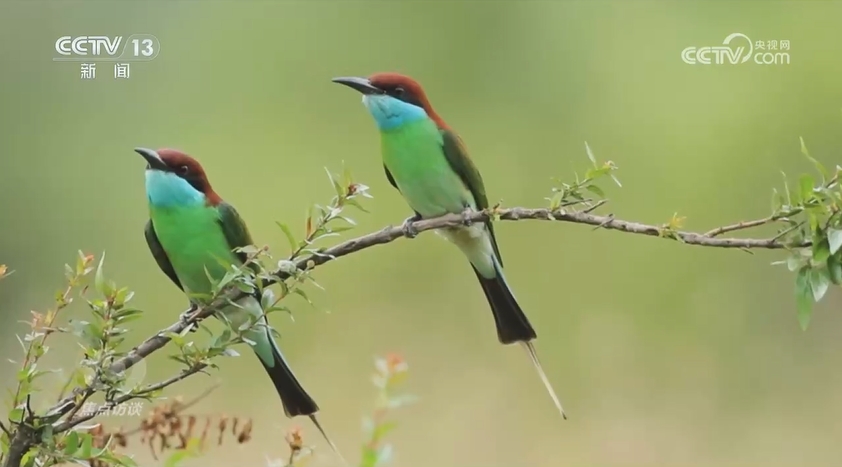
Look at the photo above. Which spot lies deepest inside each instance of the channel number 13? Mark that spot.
(143, 47)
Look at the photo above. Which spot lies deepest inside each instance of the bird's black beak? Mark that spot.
(153, 160)
(360, 84)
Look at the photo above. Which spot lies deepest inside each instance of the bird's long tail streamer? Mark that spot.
(530, 349)
(327, 438)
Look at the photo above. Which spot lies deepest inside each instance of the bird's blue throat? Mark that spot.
(390, 113)
(166, 189)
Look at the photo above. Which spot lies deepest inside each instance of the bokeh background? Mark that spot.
(664, 354)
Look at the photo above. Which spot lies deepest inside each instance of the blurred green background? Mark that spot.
(663, 354)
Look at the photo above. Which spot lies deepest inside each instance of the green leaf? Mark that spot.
(819, 283)
(777, 200)
(834, 269)
(347, 179)
(592, 174)
(48, 437)
(814, 219)
(821, 251)
(126, 312)
(381, 430)
(336, 186)
(369, 458)
(834, 239)
(99, 280)
(245, 288)
(125, 461)
(177, 457)
(267, 299)
(80, 264)
(596, 190)
(590, 154)
(354, 203)
(15, 415)
(400, 401)
(303, 295)
(794, 261)
(341, 228)
(248, 250)
(803, 297)
(28, 459)
(293, 244)
(123, 296)
(819, 167)
(87, 446)
(71, 443)
(806, 183)
(225, 336)
(788, 197)
(555, 200)
(384, 455)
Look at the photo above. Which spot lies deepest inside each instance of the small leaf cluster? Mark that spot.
(57, 441)
(102, 335)
(671, 228)
(320, 222)
(391, 372)
(810, 213)
(77, 446)
(568, 194)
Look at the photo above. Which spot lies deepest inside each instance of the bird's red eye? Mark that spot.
(183, 170)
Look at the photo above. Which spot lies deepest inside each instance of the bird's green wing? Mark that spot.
(461, 163)
(390, 178)
(235, 230)
(394, 184)
(159, 254)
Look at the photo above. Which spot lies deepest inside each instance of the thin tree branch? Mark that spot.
(24, 436)
(86, 394)
(71, 422)
(391, 233)
(178, 409)
(750, 224)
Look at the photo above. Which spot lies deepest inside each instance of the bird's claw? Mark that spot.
(188, 315)
(408, 227)
(466, 217)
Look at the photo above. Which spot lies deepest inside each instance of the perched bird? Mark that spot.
(426, 161)
(189, 229)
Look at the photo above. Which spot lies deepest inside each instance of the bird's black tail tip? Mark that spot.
(295, 399)
(512, 324)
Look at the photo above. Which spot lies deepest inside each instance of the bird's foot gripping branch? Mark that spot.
(808, 228)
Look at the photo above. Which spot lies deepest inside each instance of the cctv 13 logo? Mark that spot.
(138, 47)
